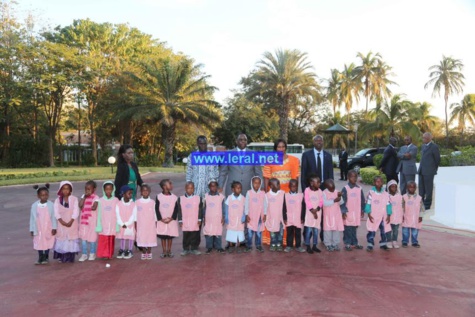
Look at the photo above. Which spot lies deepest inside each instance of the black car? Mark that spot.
(363, 158)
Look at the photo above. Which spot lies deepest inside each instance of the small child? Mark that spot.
(255, 209)
(42, 224)
(87, 226)
(166, 209)
(379, 210)
(190, 215)
(66, 211)
(413, 207)
(313, 197)
(333, 219)
(294, 216)
(353, 210)
(213, 214)
(395, 198)
(234, 217)
(275, 214)
(125, 212)
(146, 222)
(107, 226)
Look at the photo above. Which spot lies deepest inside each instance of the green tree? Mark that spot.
(350, 88)
(422, 117)
(463, 112)
(333, 90)
(446, 76)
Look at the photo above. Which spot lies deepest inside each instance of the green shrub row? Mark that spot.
(368, 174)
(42, 174)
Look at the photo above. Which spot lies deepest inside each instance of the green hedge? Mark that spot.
(42, 174)
(368, 174)
(377, 159)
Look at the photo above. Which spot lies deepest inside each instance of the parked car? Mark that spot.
(363, 158)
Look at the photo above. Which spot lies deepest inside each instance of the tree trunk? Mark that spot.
(168, 134)
(6, 135)
(446, 99)
(51, 135)
(284, 119)
(90, 112)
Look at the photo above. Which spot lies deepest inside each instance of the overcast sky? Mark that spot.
(229, 37)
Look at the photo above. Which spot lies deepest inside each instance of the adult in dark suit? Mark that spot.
(407, 163)
(390, 162)
(127, 170)
(430, 160)
(343, 158)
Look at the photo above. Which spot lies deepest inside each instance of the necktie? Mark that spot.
(319, 166)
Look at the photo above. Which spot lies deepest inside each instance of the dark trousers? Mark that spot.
(371, 234)
(294, 232)
(390, 177)
(404, 179)
(191, 240)
(349, 235)
(426, 186)
(344, 172)
(213, 242)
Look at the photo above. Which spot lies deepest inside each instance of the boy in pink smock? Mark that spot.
(353, 210)
(332, 217)
(213, 215)
(413, 208)
(146, 222)
(234, 217)
(190, 215)
(87, 225)
(275, 214)
(313, 197)
(395, 198)
(255, 208)
(107, 226)
(294, 216)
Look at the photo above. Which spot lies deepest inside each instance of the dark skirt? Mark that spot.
(105, 246)
(65, 257)
(164, 237)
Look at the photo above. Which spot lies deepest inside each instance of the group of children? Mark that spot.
(91, 224)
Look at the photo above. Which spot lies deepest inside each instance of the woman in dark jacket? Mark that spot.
(127, 171)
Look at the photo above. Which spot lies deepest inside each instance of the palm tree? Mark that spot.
(464, 112)
(176, 92)
(447, 75)
(422, 118)
(283, 78)
(333, 90)
(350, 87)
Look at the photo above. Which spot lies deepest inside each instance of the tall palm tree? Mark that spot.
(284, 77)
(447, 75)
(350, 87)
(176, 92)
(333, 90)
(421, 116)
(464, 112)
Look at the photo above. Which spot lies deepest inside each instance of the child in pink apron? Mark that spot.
(313, 197)
(255, 210)
(126, 213)
(332, 217)
(395, 199)
(413, 207)
(294, 216)
(353, 210)
(146, 222)
(107, 226)
(213, 215)
(379, 210)
(166, 209)
(234, 217)
(66, 211)
(275, 214)
(42, 224)
(190, 215)
(88, 221)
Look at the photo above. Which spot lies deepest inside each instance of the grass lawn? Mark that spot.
(18, 176)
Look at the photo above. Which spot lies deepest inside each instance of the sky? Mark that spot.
(229, 37)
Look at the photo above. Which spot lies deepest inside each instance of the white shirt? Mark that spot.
(321, 160)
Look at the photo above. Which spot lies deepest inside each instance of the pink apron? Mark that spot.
(313, 200)
(275, 205)
(166, 208)
(125, 212)
(44, 240)
(396, 203)
(293, 204)
(66, 214)
(235, 213)
(146, 227)
(189, 212)
(256, 210)
(108, 216)
(87, 232)
(353, 204)
(412, 208)
(379, 202)
(214, 215)
(332, 217)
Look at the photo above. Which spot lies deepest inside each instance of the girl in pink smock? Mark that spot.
(166, 209)
(213, 214)
(146, 223)
(332, 217)
(352, 207)
(234, 217)
(275, 214)
(255, 208)
(294, 216)
(66, 211)
(88, 221)
(190, 215)
(42, 224)
(395, 198)
(313, 197)
(107, 226)
(125, 211)
(413, 208)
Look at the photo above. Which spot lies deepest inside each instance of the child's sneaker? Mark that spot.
(369, 248)
(273, 248)
(336, 248)
(309, 250)
(208, 251)
(416, 245)
(184, 252)
(221, 251)
(287, 249)
(195, 252)
(330, 248)
(247, 250)
(300, 250)
(170, 255)
(348, 247)
(143, 256)
(149, 256)
(358, 247)
(280, 248)
(395, 245)
(163, 255)
(120, 255)
(389, 245)
(83, 258)
(128, 254)
(38, 262)
(315, 249)
(260, 249)
(92, 257)
(404, 245)
(384, 247)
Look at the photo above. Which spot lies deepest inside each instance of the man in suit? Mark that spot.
(241, 173)
(343, 158)
(407, 163)
(390, 162)
(430, 160)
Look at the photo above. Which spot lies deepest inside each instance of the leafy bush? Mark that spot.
(42, 174)
(444, 160)
(377, 159)
(368, 174)
(149, 160)
(465, 158)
